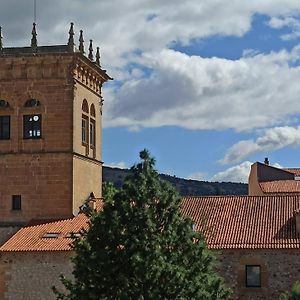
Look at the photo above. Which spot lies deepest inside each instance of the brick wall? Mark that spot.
(30, 275)
(280, 269)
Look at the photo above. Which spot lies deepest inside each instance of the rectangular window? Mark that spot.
(92, 134)
(16, 202)
(84, 130)
(253, 276)
(32, 126)
(4, 127)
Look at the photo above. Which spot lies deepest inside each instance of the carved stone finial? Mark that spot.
(81, 42)
(71, 38)
(34, 39)
(1, 42)
(91, 56)
(98, 57)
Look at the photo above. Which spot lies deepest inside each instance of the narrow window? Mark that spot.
(92, 134)
(4, 127)
(84, 130)
(32, 127)
(253, 276)
(16, 202)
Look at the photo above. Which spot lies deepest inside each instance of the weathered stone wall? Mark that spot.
(30, 275)
(280, 269)
(6, 232)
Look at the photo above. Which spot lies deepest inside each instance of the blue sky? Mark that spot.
(208, 87)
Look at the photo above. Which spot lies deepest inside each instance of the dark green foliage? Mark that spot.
(108, 190)
(141, 247)
(294, 294)
(185, 187)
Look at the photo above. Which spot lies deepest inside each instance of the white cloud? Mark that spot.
(209, 93)
(237, 173)
(286, 21)
(120, 165)
(122, 27)
(272, 139)
(197, 176)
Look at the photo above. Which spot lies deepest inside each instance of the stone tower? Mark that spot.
(50, 129)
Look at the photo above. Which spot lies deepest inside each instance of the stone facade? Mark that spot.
(56, 173)
(30, 275)
(279, 270)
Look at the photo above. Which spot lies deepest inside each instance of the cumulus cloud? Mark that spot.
(272, 139)
(126, 27)
(286, 21)
(254, 91)
(237, 173)
(187, 91)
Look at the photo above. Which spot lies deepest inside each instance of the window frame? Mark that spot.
(27, 128)
(85, 132)
(92, 133)
(16, 202)
(2, 137)
(246, 276)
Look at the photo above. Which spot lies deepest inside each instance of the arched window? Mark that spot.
(85, 123)
(93, 112)
(4, 104)
(85, 106)
(32, 103)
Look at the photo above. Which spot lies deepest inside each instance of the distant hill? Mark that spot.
(186, 187)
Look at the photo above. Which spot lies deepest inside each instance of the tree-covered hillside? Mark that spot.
(186, 187)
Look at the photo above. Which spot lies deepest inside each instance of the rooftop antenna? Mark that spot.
(34, 11)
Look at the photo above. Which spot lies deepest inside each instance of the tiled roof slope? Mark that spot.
(228, 222)
(31, 237)
(280, 186)
(245, 222)
(295, 171)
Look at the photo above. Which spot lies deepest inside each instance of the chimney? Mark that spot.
(297, 219)
(92, 201)
(266, 162)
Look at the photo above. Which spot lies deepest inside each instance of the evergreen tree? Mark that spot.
(141, 247)
(294, 294)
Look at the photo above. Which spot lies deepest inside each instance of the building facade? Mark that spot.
(50, 130)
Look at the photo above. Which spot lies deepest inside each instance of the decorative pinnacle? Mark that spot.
(1, 43)
(91, 56)
(34, 39)
(98, 57)
(71, 38)
(81, 41)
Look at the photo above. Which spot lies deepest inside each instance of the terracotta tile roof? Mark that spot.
(228, 222)
(48, 235)
(295, 171)
(280, 186)
(245, 222)
(34, 236)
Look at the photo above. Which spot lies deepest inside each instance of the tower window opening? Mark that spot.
(32, 127)
(16, 202)
(32, 103)
(4, 127)
(92, 134)
(85, 129)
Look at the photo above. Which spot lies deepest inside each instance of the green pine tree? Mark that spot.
(141, 247)
(294, 294)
